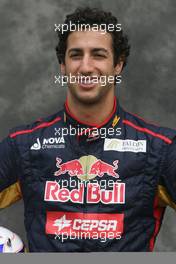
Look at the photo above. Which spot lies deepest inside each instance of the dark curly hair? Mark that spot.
(92, 16)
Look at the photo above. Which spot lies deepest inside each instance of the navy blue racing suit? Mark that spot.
(89, 187)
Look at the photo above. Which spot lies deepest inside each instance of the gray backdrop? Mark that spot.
(28, 65)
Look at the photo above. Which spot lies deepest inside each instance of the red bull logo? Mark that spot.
(92, 193)
(78, 167)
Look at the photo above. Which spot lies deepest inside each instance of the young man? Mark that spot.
(92, 176)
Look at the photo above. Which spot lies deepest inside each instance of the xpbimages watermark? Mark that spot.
(103, 80)
(72, 27)
(101, 235)
(102, 132)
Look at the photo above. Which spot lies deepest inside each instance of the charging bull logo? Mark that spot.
(73, 167)
(100, 168)
(86, 168)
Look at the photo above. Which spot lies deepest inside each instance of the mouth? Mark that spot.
(87, 81)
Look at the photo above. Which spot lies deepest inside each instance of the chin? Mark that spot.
(88, 99)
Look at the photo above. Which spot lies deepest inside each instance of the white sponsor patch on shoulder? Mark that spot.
(125, 145)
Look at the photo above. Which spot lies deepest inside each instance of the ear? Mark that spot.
(118, 67)
(62, 68)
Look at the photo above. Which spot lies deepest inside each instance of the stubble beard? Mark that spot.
(89, 101)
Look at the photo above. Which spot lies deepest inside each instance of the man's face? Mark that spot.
(90, 54)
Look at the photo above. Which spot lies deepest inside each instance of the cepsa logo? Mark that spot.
(85, 225)
(92, 193)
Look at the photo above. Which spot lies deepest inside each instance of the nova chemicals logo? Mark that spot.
(48, 143)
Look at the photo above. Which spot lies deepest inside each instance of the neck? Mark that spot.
(91, 114)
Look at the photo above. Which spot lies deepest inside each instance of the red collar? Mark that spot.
(75, 121)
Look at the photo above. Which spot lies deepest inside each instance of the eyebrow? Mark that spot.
(100, 49)
(74, 50)
(93, 50)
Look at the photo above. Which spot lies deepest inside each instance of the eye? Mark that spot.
(75, 55)
(98, 55)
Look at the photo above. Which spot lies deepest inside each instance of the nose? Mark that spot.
(86, 65)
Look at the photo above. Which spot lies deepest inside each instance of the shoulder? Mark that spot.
(140, 125)
(37, 125)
